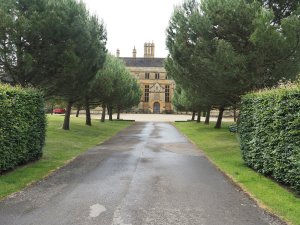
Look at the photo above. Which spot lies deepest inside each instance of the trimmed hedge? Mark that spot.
(269, 130)
(22, 126)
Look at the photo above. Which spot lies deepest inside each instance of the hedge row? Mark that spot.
(22, 126)
(270, 133)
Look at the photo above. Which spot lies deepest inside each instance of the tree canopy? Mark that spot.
(223, 49)
(114, 86)
(56, 46)
(281, 8)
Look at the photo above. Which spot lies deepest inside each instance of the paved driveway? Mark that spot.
(147, 174)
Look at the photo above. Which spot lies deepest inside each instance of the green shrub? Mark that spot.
(269, 130)
(22, 126)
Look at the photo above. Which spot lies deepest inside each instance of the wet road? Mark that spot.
(147, 174)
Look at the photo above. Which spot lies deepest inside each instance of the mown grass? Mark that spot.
(222, 148)
(61, 147)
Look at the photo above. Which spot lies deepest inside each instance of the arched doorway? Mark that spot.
(156, 107)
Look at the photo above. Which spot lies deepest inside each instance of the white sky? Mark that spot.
(133, 22)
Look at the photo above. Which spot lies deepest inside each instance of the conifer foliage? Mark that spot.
(220, 50)
(58, 47)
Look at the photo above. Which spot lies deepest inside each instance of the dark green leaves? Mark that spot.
(22, 126)
(269, 133)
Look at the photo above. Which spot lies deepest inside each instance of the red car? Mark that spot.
(59, 111)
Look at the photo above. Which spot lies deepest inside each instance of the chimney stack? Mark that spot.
(145, 50)
(152, 49)
(149, 50)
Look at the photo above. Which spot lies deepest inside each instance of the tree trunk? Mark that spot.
(193, 116)
(234, 115)
(199, 117)
(103, 113)
(52, 108)
(110, 113)
(207, 117)
(118, 116)
(107, 108)
(220, 116)
(88, 120)
(66, 125)
(78, 110)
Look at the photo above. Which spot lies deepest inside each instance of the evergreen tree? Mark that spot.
(114, 87)
(52, 45)
(84, 39)
(23, 47)
(281, 8)
(222, 49)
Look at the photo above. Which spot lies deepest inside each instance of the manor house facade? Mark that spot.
(157, 88)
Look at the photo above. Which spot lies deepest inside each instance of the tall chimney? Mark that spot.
(145, 50)
(152, 50)
(149, 50)
(134, 53)
(118, 53)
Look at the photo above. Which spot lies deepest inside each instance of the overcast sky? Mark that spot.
(133, 22)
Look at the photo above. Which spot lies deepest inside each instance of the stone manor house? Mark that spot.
(156, 87)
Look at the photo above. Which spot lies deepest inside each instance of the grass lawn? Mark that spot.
(222, 148)
(61, 147)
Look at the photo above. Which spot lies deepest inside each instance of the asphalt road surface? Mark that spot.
(147, 174)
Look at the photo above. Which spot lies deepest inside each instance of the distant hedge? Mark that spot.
(22, 126)
(270, 133)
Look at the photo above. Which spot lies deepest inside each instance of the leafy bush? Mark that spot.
(270, 133)
(22, 126)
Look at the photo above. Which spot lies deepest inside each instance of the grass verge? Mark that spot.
(61, 147)
(222, 148)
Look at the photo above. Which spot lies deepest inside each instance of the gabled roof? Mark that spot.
(143, 62)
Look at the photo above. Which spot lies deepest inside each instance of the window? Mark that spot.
(146, 93)
(157, 76)
(147, 75)
(167, 93)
